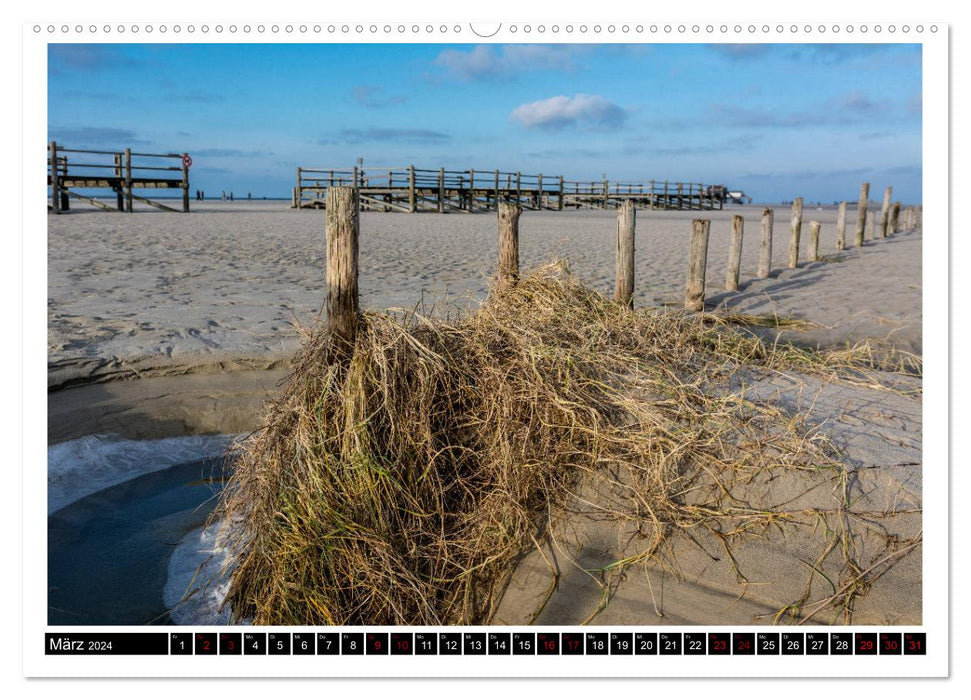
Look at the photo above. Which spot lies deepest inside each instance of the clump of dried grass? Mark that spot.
(399, 485)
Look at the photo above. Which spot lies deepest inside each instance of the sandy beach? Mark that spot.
(167, 324)
(222, 288)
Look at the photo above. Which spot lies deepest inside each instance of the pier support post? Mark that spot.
(559, 201)
(765, 246)
(885, 213)
(795, 231)
(814, 241)
(861, 206)
(441, 190)
(297, 192)
(841, 226)
(55, 180)
(624, 283)
(129, 201)
(412, 201)
(895, 218)
(870, 216)
(735, 254)
(343, 229)
(508, 267)
(694, 296)
(120, 191)
(185, 184)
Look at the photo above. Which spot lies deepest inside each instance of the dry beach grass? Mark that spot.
(405, 483)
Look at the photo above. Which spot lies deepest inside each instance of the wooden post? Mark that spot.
(652, 195)
(813, 241)
(119, 197)
(298, 192)
(694, 295)
(343, 228)
(471, 190)
(129, 200)
(185, 184)
(606, 186)
(895, 218)
(794, 233)
(55, 181)
(412, 200)
(918, 218)
(765, 248)
(539, 197)
(624, 283)
(680, 195)
(885, 213)
(508, 268)
(861, 206)
(293, 197)
(870, 216)
(495, 198)
(664, 203)
(519, 189)
(841, 227)
(559, 203)
(735, 254)
(441, 190)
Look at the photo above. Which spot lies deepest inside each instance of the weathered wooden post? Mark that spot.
(664, 203)
(735, 254)
(559, 201)
(128, 193)
(412, 200)
(814, 241)
(119, 196)
(870, 216)
(918, 217)
(841, 226)
(293, 197)
(765, 247)
(895, 218)
(694, 295)
(65, 196)
(185, 183)
(606, 185)
(55, 181)
(508, 268)
(861, 206)
(519, 188)
(539, 194)
(885, 213)
(652, 195)
(298, 190)
(343, 228)
(680, 195)
(795, 230)
(441, 190)
(624, 282)
(495, 199)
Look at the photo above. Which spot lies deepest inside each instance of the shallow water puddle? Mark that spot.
(108, 552)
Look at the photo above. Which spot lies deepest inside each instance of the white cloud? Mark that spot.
(562, 111)
(486, 62)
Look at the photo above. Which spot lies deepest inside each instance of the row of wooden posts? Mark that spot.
(343, 227)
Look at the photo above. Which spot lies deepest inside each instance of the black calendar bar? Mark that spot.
(106, 644)
(770, 645)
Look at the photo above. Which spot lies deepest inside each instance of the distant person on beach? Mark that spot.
(230, 196)
(249, 195)
(224, 195)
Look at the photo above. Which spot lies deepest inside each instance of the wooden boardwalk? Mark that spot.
(120, 174)
(410, 189)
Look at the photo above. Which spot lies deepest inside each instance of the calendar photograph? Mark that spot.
(582, 338)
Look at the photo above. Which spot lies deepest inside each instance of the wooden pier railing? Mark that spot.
(123, 173)
(411, 189)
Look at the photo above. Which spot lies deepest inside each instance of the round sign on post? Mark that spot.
(187, 160)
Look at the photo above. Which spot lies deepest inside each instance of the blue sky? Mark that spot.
(776, 120)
